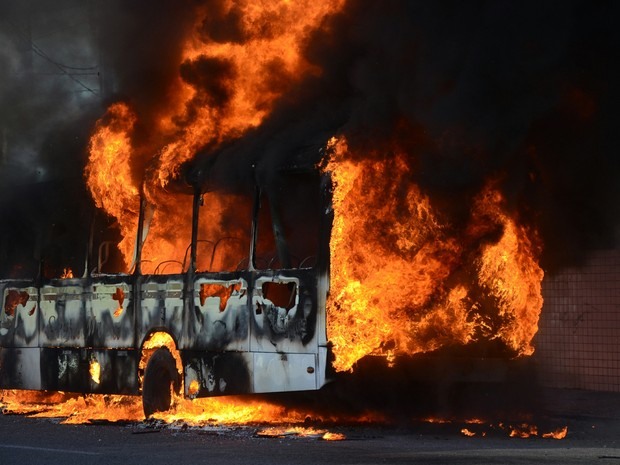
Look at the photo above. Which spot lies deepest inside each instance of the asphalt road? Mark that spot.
(23, 441)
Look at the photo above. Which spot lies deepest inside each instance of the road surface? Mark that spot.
(23, 441)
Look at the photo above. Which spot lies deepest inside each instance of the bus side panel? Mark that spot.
(229, 373)
(273, 372)
(20, 368)
(217, 373)
(18, 314)
(218, 319)
(63, 313)
(90, 370)
(77, 313)
(110, 322)
(161, 306)
(284, 312)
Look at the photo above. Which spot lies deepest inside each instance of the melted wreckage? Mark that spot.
(252, 329)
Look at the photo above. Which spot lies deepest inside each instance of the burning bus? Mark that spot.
(263, 266)
(242, 312)
(274, 285)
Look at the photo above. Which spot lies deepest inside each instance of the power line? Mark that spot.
(43, 55)
(61, 67)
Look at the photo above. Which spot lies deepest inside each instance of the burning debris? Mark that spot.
(300, 432)
(522, 431)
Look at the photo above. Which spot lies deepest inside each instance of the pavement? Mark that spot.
(592, 420)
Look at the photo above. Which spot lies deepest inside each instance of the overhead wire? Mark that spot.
(61, 67)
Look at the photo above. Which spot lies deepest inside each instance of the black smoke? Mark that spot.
(521, 91)
(61, 64)
(49, 98)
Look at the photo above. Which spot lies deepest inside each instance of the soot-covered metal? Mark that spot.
(248, 330)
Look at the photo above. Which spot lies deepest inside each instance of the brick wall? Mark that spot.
(578, 341)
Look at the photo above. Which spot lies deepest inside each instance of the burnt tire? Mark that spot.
(160, 378)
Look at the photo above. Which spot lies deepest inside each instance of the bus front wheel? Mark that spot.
(160, 379)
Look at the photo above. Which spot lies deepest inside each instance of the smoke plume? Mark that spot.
(521, 92)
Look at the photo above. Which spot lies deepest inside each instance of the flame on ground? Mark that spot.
(559, 433)
(523, 431)
(232, 410)
(299, 431)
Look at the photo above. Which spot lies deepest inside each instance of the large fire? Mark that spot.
(403, 281)
(224, 88)
(400, 281)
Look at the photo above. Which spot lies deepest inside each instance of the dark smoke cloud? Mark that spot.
(523, 91)
(209, 76)
(61, 64)
(49, 98)
(141, 44)
(520, 91)
(48, 84)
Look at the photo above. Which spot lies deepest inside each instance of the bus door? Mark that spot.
(285, 315)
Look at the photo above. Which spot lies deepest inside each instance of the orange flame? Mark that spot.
(231, 410)
(67, 273)
(254, 73)
(277, 432)
(395, 286)
(559, 433)
(524, 431)
(108, 173)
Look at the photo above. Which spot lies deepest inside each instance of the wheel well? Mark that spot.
(153, 341)
(161, 382)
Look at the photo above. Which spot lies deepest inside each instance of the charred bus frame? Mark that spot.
(250, 330)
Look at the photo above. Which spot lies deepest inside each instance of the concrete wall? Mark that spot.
(578, 342)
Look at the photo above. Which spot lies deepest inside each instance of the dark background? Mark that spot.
(525, 92)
